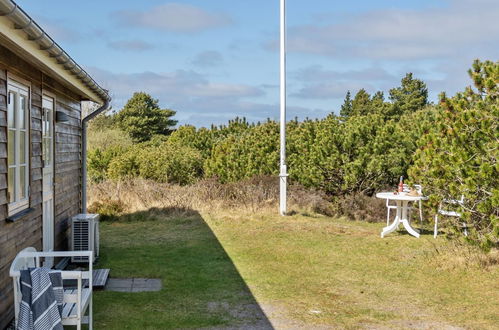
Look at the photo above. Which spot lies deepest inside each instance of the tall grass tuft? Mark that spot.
(114, 198)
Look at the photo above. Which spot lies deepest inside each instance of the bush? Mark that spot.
(254, 152)
(162, 163)
(107, 138)
(126, 165)
(459, 156)
(99, 160)
(171, 163)
(104, 144)
(360, 154)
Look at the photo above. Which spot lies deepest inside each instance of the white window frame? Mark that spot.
(15, 91)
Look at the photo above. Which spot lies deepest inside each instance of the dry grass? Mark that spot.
(360, 207)
(458, 254)
(253, 195)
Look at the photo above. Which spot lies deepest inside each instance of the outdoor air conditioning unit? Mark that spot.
(85, 235)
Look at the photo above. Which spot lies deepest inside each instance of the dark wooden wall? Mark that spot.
(27, 231)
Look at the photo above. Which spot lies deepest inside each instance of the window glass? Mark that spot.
(11, 139)
(45, 148)
(23, 184)
(22, 147)
(18, 147)
(49, 151)
(10, 109)
(46, 125)
(12, 179)
(22, 112)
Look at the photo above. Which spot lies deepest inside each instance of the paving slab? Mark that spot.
(119, 283)
(133, 284)
(146, 284)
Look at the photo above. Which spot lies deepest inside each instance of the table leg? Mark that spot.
(405, 221)
(395, 223)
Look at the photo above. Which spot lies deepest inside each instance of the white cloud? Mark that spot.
(175, 17)
(176, 85)
(197, 100)
(130, 45)
(188, 92)
(208, 58)
(330, 90)
(462, 28)
(316, 82)
(319, 73)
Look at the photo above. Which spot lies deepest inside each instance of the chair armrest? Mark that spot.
(71, 274)
(56, 254)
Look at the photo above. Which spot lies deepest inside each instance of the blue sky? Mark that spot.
(214, 60)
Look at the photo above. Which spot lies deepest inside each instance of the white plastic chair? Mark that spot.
(76, 301)
(419, 189)
(456, 203)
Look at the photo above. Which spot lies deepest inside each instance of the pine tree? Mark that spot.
(378, 97)
(142, 118)
(346, 107)
(361, 104)
(412, 95)
(459, 156)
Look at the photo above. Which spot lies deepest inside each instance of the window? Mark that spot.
(18, 147)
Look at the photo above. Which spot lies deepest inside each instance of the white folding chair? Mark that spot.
(448, 212)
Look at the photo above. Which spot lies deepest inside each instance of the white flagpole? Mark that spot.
(283, 175)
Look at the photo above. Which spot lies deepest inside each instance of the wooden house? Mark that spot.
(42, 141)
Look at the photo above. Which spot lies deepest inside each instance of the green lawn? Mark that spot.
(250, 270)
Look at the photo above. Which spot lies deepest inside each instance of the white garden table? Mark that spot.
(402, 200)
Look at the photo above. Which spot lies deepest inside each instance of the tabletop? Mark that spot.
(400, 196)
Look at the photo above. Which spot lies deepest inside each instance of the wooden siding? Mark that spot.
(67, 200)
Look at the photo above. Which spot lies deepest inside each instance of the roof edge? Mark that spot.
(26, 33)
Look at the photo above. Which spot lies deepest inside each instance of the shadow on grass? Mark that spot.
(201, 286)
(422, 231)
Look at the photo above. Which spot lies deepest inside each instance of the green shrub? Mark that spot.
(171, 163)
(360, 154)
(163, 163)
(104, 144)
(254, 152)
(107, 138)
(125, 165)
(459, 156)
(98, 161)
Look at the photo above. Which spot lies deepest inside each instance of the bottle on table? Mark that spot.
(401, 184)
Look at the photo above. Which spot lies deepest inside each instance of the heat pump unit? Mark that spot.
(85, 235)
